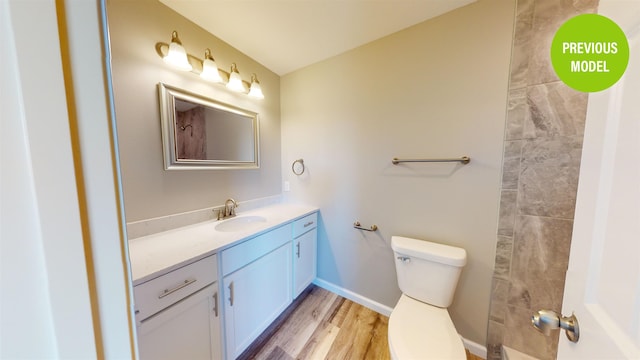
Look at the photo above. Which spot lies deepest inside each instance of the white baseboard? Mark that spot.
(513, 354)
(474, 348)
(357, 298)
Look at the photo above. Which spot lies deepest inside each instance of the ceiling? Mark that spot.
(286, 35)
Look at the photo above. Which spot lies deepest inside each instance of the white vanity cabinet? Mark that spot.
(178, 314)
(304, 252)
(256, 286)
(235, 285)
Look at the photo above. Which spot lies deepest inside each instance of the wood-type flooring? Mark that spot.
(322, 325)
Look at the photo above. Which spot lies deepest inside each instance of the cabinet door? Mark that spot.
(304, 261)
(254, 296)
(189, 329)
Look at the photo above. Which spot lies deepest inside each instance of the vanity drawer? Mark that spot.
(305, 224)
(242, 254)
(155, 295)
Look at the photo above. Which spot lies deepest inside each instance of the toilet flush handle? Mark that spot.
(404, 259)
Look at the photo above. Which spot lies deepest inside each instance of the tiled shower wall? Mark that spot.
(542, 149)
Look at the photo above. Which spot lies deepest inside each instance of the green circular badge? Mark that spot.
(589, 52)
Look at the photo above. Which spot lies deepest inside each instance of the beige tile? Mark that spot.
(521, 44)
(499, 295)
(511, 164)
(506, 217)
(504, 249)
(540, 260)
(516, 113)
(548, 191)
(554, 151)
(554, 109)
(548, 16)
(522, 336)
(495, 335)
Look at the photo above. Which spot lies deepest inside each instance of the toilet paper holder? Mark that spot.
(357, 225)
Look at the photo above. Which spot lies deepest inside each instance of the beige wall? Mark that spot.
(150, 191)
(438, 89)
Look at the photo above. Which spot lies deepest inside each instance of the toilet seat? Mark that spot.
(419, 331)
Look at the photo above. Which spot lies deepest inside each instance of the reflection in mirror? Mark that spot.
(201, 133)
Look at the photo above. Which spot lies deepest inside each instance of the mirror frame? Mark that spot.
(167, 95)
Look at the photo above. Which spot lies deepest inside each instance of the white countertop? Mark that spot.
(157, 254)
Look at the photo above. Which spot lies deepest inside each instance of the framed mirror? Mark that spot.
(202, 133)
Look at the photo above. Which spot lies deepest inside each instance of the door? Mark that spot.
(304, 261)
(603, 279)
(189, 329)
(254, 296)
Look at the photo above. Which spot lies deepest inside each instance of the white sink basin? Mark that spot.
(240, 223)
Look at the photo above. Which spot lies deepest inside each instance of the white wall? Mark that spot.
(135, 27)
(437, 89)
(65, 292)
(25, 309)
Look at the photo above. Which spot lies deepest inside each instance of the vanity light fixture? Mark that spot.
(209, 68)
(177, 56)
(255, 90)
(235, 81)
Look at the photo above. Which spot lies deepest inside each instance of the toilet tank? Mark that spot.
(428, 271)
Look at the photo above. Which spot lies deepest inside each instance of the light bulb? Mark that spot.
(209, 68)
(177, 56)
(255, 90)
(235, 81)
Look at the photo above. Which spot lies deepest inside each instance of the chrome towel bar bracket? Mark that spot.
(358, 226)
(464, 160)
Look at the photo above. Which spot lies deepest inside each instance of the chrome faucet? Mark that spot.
(230, 208)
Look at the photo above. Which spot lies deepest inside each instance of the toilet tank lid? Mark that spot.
(427, 250)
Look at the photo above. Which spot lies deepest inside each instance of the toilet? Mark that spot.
(420, 327)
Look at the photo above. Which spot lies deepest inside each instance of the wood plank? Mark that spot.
(321, 340)
(298, 332)
(322, 325)
(318, 347)
(278, 354)
(338, 317)
(355, 336)
(379, 345)
(292, 330)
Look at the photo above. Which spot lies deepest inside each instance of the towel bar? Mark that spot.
(463, 160)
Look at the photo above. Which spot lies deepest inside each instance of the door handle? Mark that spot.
(547, 320)
(215, 304)
(231, 294)
(298, 249)
(184, 284)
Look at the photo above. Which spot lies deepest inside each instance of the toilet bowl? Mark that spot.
(420, 326)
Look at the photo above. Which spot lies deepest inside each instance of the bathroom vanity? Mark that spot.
(208, 290)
